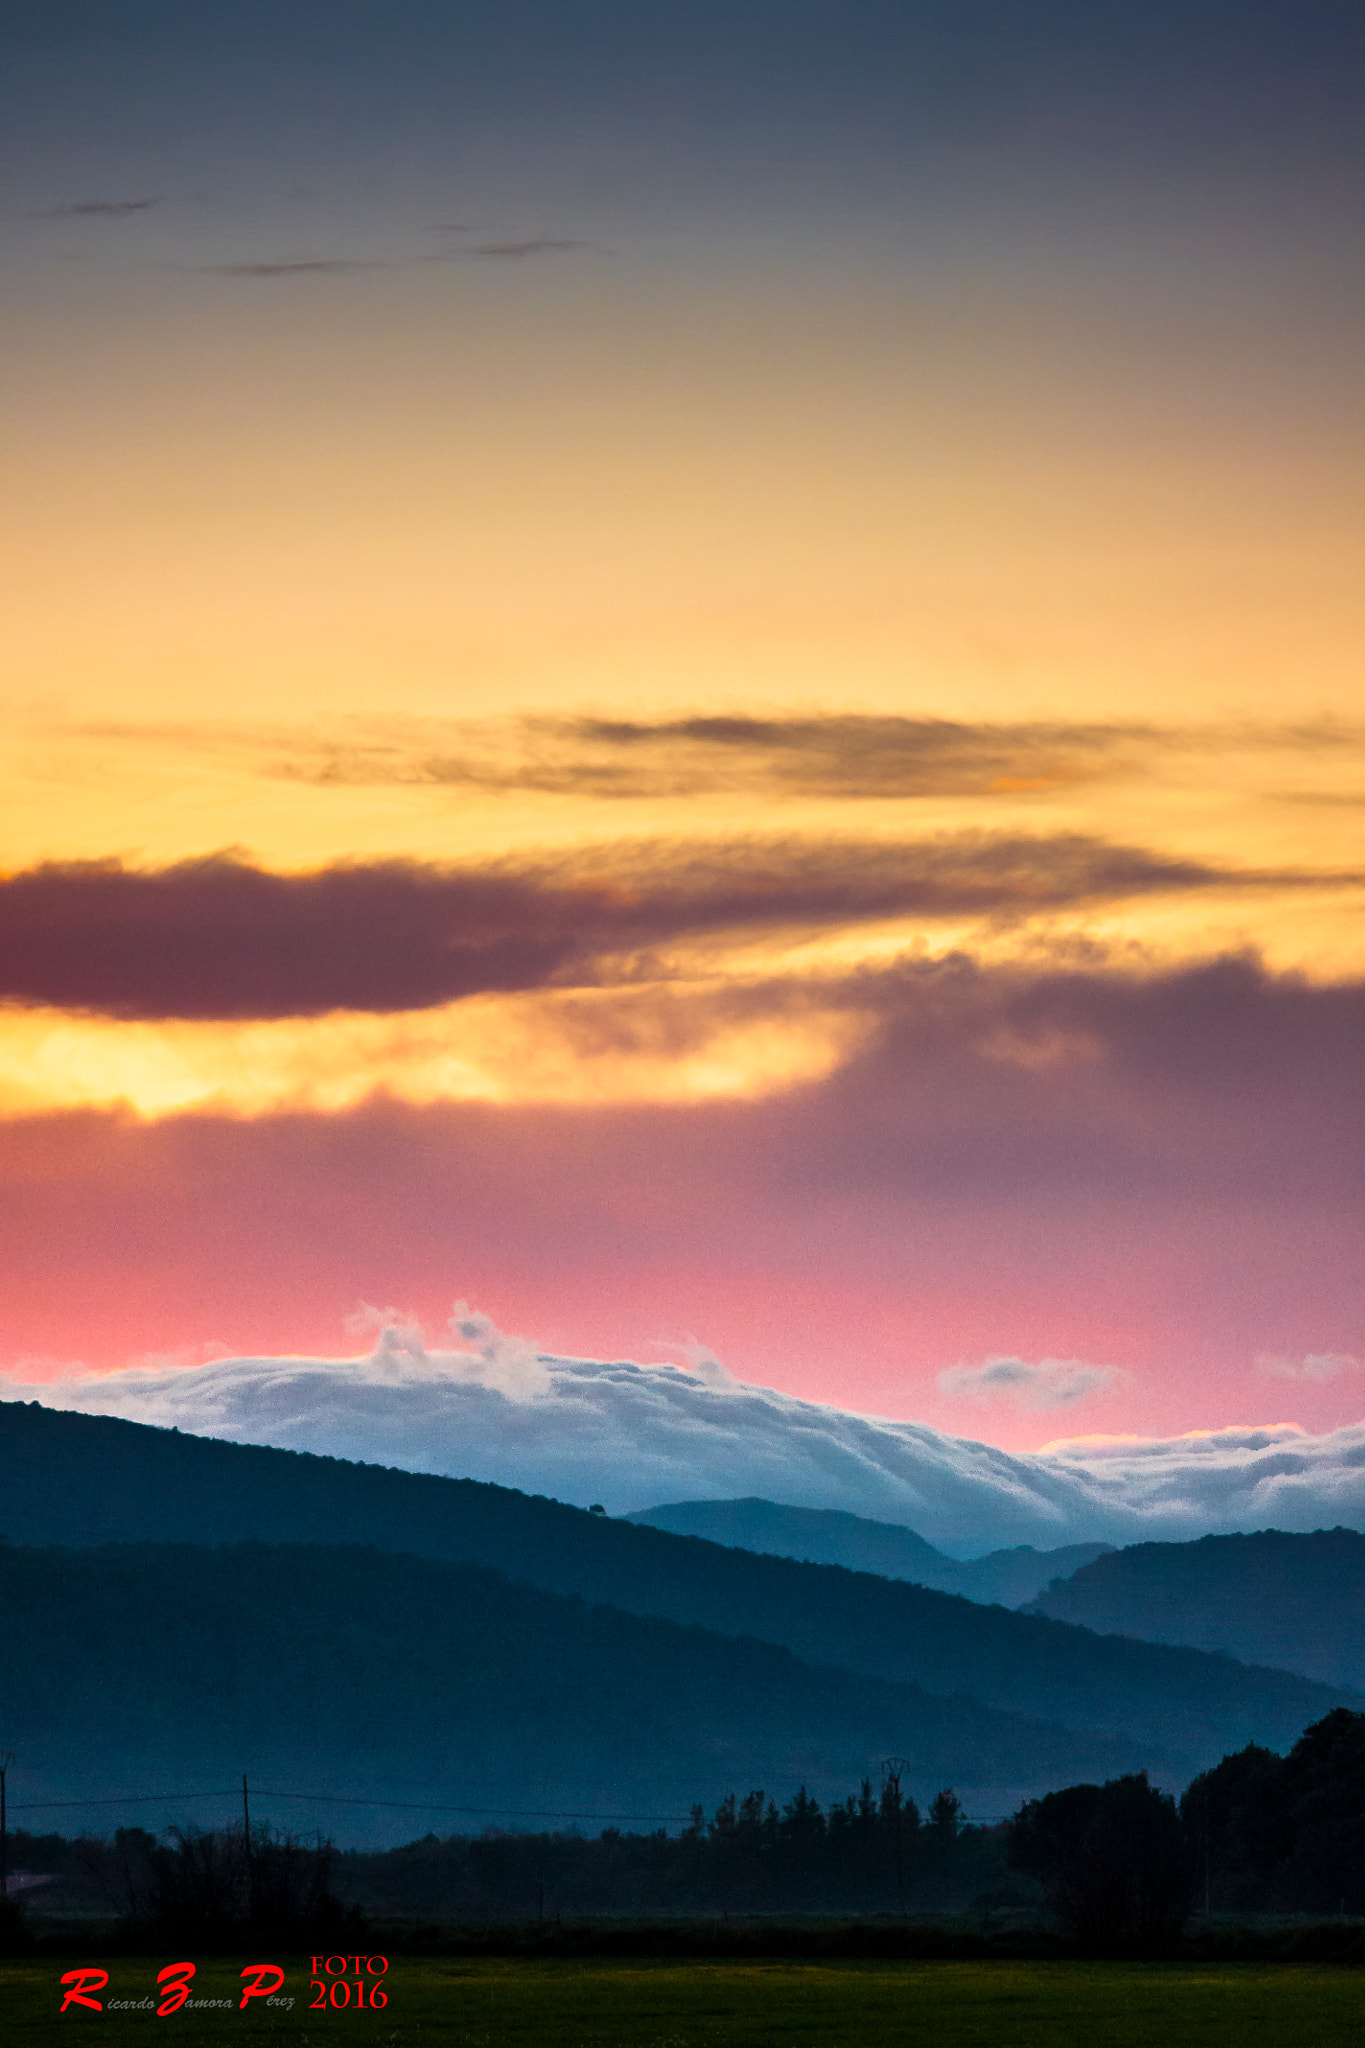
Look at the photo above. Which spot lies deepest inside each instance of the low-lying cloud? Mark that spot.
(509, 1366)
(633, 1435)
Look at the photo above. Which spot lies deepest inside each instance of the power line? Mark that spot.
(392, 1805)
(429, 1806)
(340, 1799)
(123, 1799)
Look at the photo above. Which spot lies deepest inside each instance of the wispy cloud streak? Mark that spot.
(96, 209)
(850, 756)
(1051, 1383)
(300, 266)
(514, 250)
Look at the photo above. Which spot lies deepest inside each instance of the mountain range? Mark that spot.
(365, 1673)
(637, 1630)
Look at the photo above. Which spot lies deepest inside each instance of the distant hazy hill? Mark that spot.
(80, 1479)
(338, 1669)
(829, 1536)
(1272, 1598)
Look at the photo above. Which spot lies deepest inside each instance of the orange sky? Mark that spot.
(337, 533)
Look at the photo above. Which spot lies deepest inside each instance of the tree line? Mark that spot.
(873, 1852)
(1118, 1863)
(1257, 1833)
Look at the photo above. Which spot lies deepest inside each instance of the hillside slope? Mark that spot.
(1273, 1598)
(829, 1536)
(364, 1673)
(79, 1479)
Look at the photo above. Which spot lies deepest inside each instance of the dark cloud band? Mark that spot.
(219, 938)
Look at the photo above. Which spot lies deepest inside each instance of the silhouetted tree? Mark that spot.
(1284, 1833)
(1112, 1859)
(197, 1885)
(15, 1937)
(1237, 1824)
(944, 1816)
(1324, 1781)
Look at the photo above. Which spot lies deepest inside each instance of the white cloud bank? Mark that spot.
(630, 1436)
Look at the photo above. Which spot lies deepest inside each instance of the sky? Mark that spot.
(690, 673)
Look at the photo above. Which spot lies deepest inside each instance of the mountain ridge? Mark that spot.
(892, 1550)
(1294, 1599)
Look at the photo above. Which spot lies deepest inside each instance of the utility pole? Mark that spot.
(6, 1759)
(1206, 1852)
(892, 1766)
(246, 1838)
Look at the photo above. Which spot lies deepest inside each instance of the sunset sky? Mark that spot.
(693, 672)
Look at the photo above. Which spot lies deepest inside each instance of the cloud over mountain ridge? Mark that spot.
(631, 1434)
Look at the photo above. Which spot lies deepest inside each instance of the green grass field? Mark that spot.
(484, 2004)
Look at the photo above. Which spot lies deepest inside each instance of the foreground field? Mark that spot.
(487, 2004)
